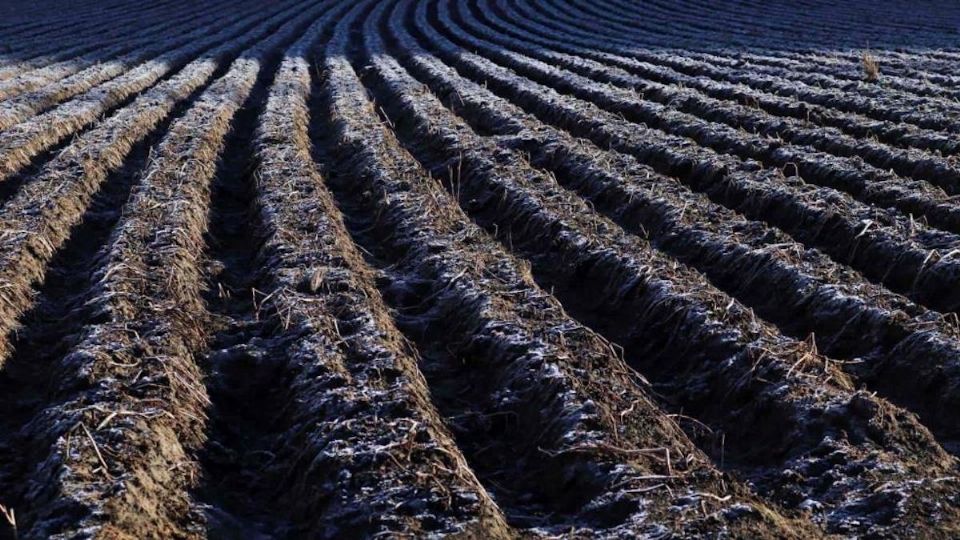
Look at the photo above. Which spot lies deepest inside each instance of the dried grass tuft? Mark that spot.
(871, 68)
(10, 517)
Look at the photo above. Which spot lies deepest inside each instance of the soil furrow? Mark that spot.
(53, 72)
(916, 164)
(864, 182)
(883, 336)
(244, 467)
(36, 221)
(771, 26)
(35, 377)
(852, 233)
(518, 378)
(345, 371)
(646, 65)
(523, 210)
(130, 409)
(479, 269)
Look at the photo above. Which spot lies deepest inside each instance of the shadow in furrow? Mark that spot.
(244, 367)
(463, 387)
(458, 359)
(34, 377)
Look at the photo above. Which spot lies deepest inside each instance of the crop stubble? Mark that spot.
(494, 268)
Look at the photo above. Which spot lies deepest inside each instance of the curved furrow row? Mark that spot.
(883, 335)
(897, 252)
(836, 70)
(50, 328)
(766, 49)
(597, 270)
(923, 73)
(819, 66)
(932, 114)
(770, 24)
(679, 29)
(863, 181)
(893, 133)
(533, 398)
(113, 444)
(905, 75)
(482, 269)
(701, 74)
(69, 23)
(917, 164)
(713, 35)
(50, 12)
(683, 27)
(848, 80)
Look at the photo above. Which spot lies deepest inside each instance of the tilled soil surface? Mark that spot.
(479, 268)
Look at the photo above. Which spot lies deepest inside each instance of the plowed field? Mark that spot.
(479, 268)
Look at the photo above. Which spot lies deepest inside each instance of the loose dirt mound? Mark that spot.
(484, 268)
